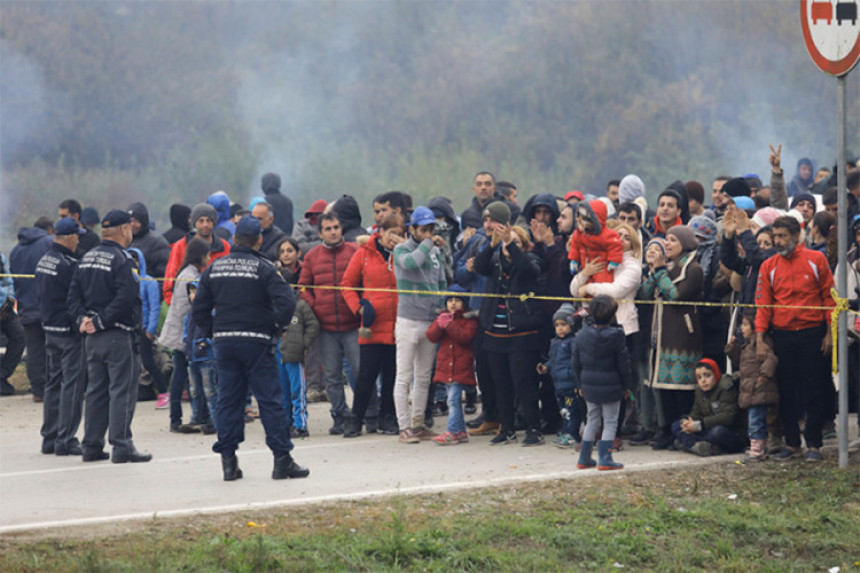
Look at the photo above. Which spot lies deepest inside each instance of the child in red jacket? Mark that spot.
(592, 239)
(454, 330)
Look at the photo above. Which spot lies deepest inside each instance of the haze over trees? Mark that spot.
(112, 102)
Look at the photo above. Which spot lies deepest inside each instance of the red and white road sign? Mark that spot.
(831, 31)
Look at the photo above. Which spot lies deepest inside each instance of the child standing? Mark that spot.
(711, 426)
(560, 367)
(601, 365)
(758, 384)
(203, 385)
(454, 331)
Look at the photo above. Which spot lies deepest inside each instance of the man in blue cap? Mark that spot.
(104, 298)
(417, 267)
(66, 380)
(254, 305)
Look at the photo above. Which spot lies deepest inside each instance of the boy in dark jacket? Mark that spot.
(560, 367)
(711, 427)
(203, 385)
(601, 365)
(758, 384)
(298, 337)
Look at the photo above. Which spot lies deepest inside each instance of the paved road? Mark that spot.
(39, 491)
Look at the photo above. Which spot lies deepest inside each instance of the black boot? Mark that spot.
(286, 467)
(351, 427)
(230, 466)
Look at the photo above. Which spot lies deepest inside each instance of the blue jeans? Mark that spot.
(293, 392)
(243, 365)
(572, 409)
(456, 423)
(757, 422)
(178, 383)
(726, 439)
(334, 347)
(204, 391)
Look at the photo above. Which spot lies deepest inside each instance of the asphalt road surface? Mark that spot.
(184, 478)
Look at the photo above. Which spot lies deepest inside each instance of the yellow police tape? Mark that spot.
(840, 306)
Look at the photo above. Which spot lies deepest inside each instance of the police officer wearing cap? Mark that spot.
(253, 304)
(67, 380)
(105, 300)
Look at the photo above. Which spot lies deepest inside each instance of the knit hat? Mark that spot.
(498, 212)
(685, 236)
(712, 366)
(256, 201)
(744, 203)
(630, 188)
(803, 196)
(660, 242)
(89, 216)
(704, 227)
(695, 191)
(574, 195)
(316, 208)
(456, 291)
(766, 216)
(565, 312)
(737, 187)
(203, 210)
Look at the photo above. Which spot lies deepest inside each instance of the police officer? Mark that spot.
(105, 300)
(67, 380)
(253, 304)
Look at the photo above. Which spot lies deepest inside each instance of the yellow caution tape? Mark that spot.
(841, 306)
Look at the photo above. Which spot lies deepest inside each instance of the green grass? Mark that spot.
(791, 517)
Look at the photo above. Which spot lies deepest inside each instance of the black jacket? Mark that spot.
(282, 207)
(518, 276)
(53, 278)
(105, 286)
(349, 215)
(155, 248)
(747, 266)
(272, 238)
(473, 216)
(179, 214)
(601, 363)
(33, 242)
(253, 301)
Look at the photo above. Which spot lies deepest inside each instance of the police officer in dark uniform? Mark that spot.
(253, 305)
(67, 378)
(105, 300)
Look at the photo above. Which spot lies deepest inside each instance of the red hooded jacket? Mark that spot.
(601, 242)
(369, 269)
(455, 359)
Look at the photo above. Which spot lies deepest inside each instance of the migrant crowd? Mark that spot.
(524, 310)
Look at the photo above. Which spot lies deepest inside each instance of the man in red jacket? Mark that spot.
(799, 277)
(325, 266)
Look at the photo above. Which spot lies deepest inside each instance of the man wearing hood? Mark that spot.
(272, 235)
(224, 226)
(203, 217)
(33, 242)
(349, 215)
(485, 191)
(155, 248)
(803, 179)
(447, 227)
(282, 206)
(179, 214)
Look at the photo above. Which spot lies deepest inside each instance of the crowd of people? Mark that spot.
(696, 323)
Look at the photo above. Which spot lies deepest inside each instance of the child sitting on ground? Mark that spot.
(454, 330)
(712, 425)
(560, 368)
(601, 366)
(758, 388)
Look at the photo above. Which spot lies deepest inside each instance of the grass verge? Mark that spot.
(728, 517)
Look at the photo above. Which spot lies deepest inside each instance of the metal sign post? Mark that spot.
(831, 32)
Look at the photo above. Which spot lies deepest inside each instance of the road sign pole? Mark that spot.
(842, 273)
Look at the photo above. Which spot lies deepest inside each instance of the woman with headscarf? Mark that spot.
(716, 286)
(676, 336)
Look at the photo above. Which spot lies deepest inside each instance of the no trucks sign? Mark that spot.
(831, 31)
